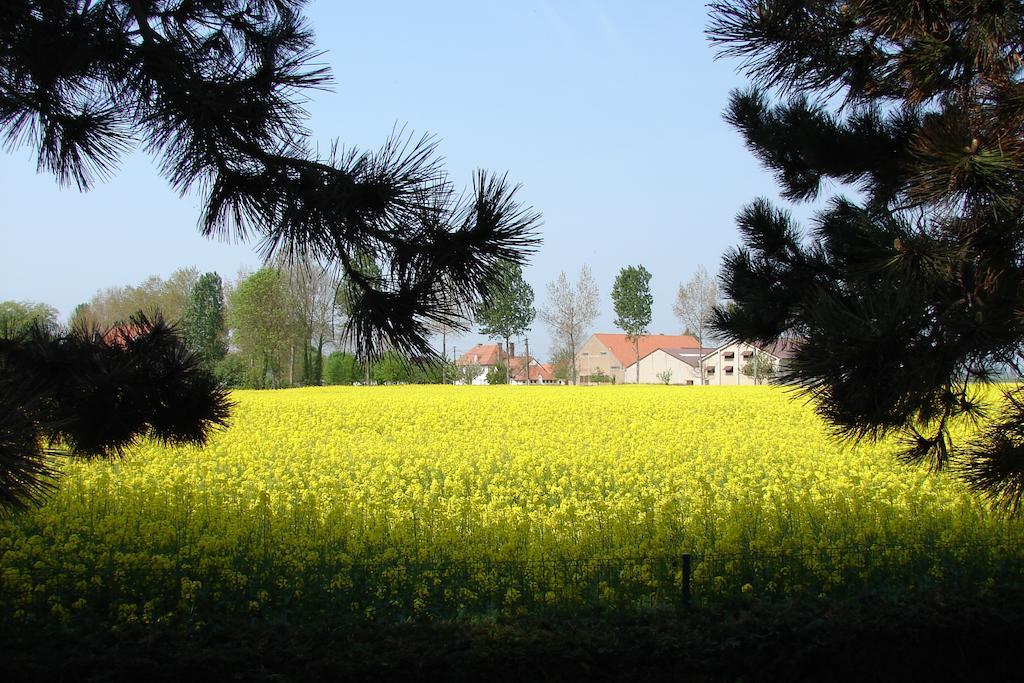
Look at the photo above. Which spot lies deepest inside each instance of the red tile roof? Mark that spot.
(537, 372)
(120, 335)
(622, 348)
(483, 355)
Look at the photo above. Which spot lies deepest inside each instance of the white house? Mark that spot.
(728, 364)
(484, 357)
(722, 366)
(680, 364)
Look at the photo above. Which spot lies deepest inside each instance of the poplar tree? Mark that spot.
(631, 297)
(906, 300)
(204, 324)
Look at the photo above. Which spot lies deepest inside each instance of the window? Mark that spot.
(604, 353)
(616, 367)
(711, 369)
(728, 369)
(748, 354)
(729, 354)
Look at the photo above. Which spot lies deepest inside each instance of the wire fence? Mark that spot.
(135, 587)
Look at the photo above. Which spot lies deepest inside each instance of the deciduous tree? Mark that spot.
(760, 367)
(18, 316)
(262, 316)
(508, 310)
(204, 324)
(153, 296)
(569, 311)
(694, 307)
(632, 300)
(314, 291)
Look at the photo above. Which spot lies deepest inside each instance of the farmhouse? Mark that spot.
(726, 365)
(538, 373)
(482, 356)
(487, 356)
(668, 366)
(609, 354)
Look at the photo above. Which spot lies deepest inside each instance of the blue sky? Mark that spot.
(608, 114)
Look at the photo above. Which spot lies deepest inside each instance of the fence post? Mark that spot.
(686, 580)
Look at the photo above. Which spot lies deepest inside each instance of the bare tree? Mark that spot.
(695, 302)
(314, 289)
(569, 311)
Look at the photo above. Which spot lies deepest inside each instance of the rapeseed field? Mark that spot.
(421, 502)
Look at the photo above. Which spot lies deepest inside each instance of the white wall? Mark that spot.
(659, 361)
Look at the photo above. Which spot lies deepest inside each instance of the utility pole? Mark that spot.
(444, 351)
(527, 340)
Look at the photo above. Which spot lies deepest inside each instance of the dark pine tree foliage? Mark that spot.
(90, 393)
(908, 297)
(213, 90)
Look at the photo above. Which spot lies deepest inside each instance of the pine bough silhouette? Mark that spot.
(213, 89)
(907, 301)
(92, 394)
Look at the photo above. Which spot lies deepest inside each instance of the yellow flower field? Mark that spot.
(405, 501)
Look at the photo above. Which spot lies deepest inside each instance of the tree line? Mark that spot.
(280, 326)
(283, 325)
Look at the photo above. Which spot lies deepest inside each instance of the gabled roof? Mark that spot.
(120, 335)
(537, 372)
(690, 356)
(482, 355)
(622, 348)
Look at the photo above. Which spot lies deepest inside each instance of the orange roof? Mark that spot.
(622, 348)
(482, 354)
(541, 372)
(120, 335)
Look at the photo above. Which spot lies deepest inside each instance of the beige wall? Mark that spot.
(593, 356)
(719, 361)
(659, 361)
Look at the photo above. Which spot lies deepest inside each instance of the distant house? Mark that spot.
(538, 373)
(485, 357)
(721, 366)
(121, 335)
(611, 354)
(725, 365)
(681, 364)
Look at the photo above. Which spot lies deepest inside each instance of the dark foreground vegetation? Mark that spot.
(924, 637)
